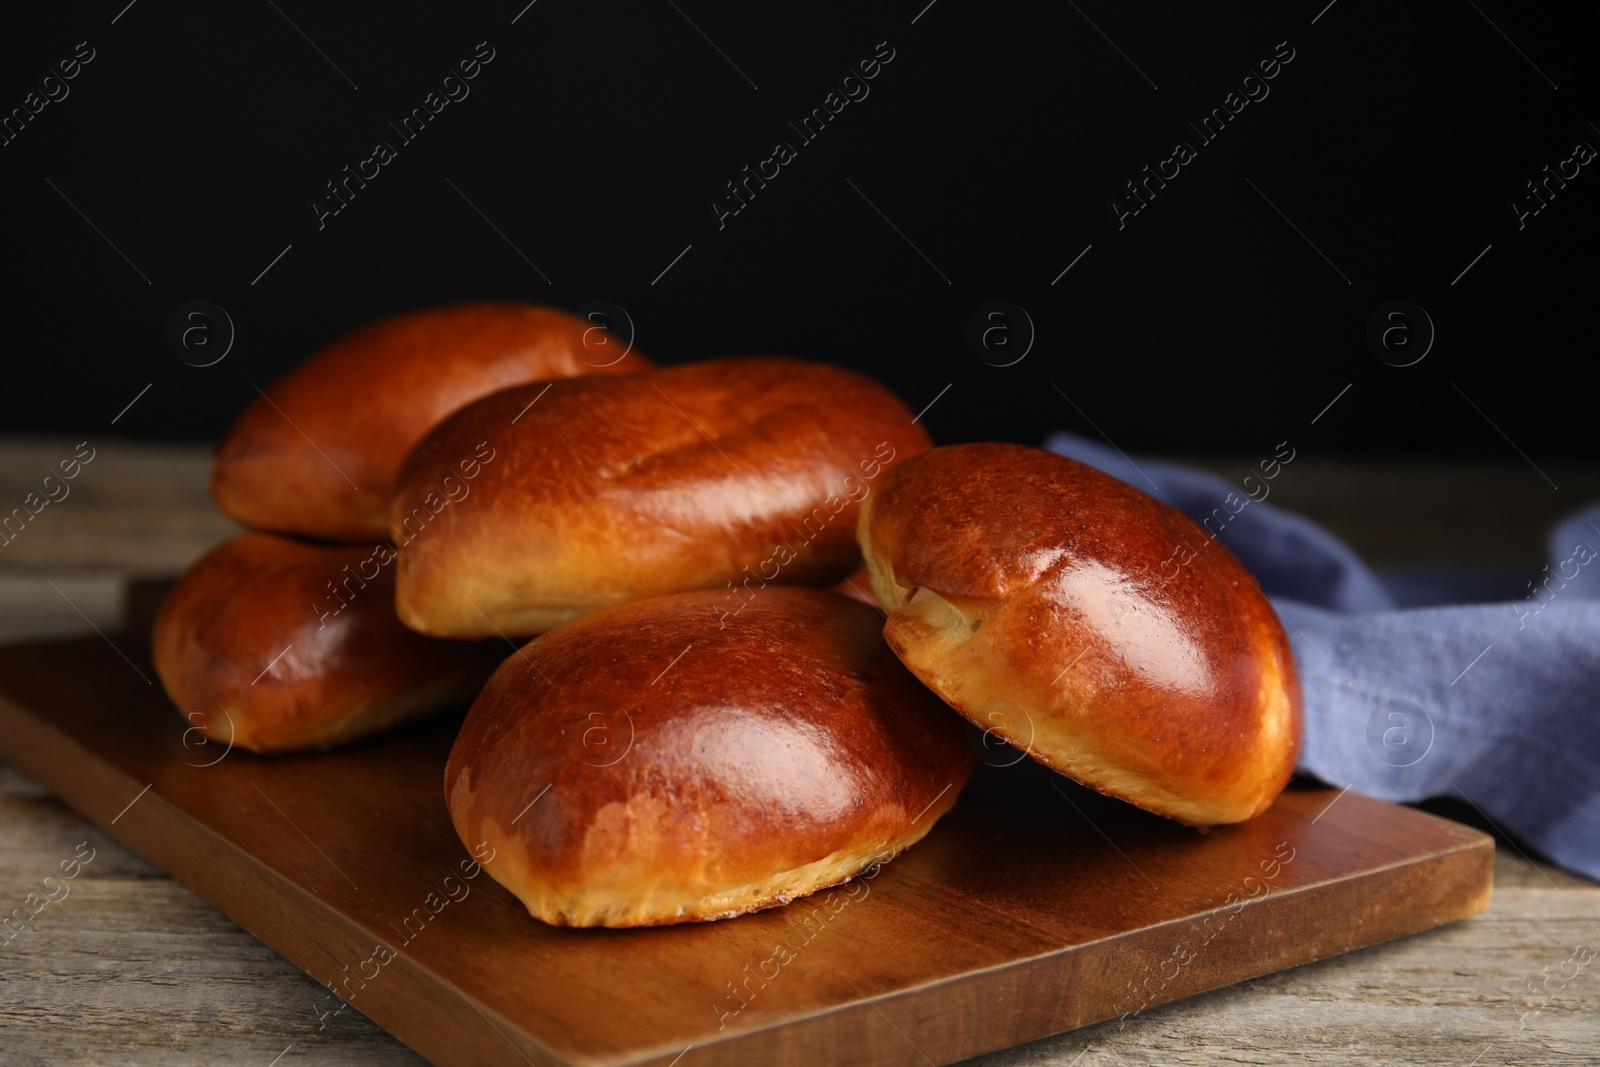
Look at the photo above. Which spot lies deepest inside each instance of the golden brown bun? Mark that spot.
(647, 764)
(254, 648)
(1045, 600)
(317, 455)
(597, 491)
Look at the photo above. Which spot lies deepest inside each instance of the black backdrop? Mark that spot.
(1382, 162)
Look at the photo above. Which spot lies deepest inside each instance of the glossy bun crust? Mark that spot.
(317, 454)
(253, 648)
(646, 764)
(1047, 601)
(606, 490)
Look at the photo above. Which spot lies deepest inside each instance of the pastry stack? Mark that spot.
(624, 569)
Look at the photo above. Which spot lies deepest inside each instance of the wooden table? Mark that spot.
(131, 968)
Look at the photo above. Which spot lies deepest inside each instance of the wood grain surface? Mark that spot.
(132, 968)
(1034, 908)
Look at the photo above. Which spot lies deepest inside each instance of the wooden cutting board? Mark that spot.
(1033, 908)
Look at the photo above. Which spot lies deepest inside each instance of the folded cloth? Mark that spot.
(1410, 692)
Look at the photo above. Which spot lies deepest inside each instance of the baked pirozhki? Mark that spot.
(1058, 607)
(654, 763)
(732, 475)
(316, 453)
(274, 645)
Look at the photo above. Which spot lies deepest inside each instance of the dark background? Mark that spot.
(596, 139)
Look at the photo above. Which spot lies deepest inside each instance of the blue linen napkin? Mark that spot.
(1430, 683)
